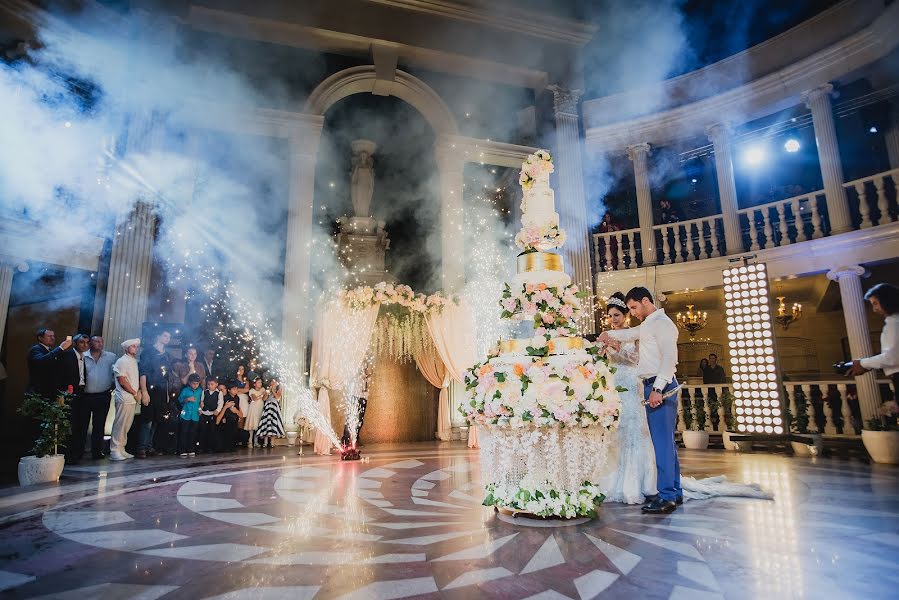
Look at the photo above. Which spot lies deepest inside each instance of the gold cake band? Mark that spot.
(540, 261)
(557, 345)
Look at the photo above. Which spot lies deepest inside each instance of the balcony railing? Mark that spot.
(829, 410)
(872, 201)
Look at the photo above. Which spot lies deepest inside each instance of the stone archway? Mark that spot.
(364, 79)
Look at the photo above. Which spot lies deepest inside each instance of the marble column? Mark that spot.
(720, 136)
(451, 166)
(296, 303)
(638, 154)
(891, 137)
(818, 100)
(128, 284)
(849, 278)
(573, 206)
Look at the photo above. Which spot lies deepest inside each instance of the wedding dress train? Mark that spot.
(719, 486)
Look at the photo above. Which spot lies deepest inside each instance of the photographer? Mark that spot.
(884, 299)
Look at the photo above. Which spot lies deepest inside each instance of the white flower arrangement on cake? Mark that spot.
(553, 309)
(540, 237)
(539, 164)
(542, 394)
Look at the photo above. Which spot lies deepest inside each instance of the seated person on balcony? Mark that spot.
(667, 212)
(884, 299)
(714, 373)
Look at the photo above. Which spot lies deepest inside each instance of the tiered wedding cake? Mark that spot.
(544, 401)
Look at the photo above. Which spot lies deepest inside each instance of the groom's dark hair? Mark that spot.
(637, 294)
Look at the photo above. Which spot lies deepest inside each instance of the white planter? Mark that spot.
(292, 438)
(883, 446)
(45, 469)
(806, 450)
(696, 440)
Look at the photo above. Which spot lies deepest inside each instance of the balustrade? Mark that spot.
(616, 250)
(829, 410)
(873, 200)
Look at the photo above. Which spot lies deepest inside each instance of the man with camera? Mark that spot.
(884, 299)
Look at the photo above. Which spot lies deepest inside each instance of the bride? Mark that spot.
(633, 478)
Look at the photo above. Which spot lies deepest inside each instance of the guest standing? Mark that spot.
(229, 417)
(884, 299)
(194, 366)
(210, 365)
(271, 424)
(189, 399)
(702, 371)
(714, 374)
(155, 366)
(258, 394)
(44, 363)
(127, 391)
(210, 406)
(100, 381)
(74, 378)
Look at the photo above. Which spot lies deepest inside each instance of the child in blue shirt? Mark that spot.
(190, 399)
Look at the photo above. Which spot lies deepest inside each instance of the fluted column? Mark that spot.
(573, 205)
(295, 304)
(127, 288)
(849, 278)
(818, 100)
(720, 136)
(891, 136)
(451, 166)
(638, 154)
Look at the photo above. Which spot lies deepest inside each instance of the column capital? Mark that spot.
(449, 156)
(719, 133)
(638, 150)
(809, 96)
(565, 100)
(847, 271)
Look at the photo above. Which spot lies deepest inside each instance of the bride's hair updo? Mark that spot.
(616, 301)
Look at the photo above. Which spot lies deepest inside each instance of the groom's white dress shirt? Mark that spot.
(888, 359)
(658, 347)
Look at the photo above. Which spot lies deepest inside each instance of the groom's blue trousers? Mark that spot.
(662, 422)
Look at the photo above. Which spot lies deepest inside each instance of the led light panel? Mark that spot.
(758, 392)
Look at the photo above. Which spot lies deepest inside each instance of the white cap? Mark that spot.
(132, 342)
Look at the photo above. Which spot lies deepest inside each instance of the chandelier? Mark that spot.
(787, 318)
(692, 321)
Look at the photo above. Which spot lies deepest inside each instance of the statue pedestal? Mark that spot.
(362, 244)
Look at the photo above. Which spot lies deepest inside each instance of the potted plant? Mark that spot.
(881, 435)
(730, 419)
(798, 424)
(696, 437)
(45, 464)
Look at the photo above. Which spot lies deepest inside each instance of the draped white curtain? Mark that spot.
(432, 368)
(453, 333)
(339, 344)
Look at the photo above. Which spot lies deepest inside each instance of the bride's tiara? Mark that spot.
(617, 302)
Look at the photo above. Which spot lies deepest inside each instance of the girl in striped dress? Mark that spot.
(271, 425)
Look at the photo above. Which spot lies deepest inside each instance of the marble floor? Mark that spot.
(408, 523)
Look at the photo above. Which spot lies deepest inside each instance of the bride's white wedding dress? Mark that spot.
(631, 474)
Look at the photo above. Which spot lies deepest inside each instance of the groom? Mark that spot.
(656, 367)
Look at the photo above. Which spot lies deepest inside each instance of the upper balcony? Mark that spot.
(825, 82)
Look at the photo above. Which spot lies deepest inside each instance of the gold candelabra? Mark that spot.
(692, 321)
(787, 318)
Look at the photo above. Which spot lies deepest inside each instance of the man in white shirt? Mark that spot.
(656, 367)
(127, 392)
(884, 299)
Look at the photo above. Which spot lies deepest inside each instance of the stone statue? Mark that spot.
(363, 179)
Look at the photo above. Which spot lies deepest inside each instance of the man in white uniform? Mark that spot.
(656, 368)
(127, 392)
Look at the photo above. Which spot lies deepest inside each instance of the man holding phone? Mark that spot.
(45, 363)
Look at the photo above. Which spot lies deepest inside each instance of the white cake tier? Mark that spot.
(550, 278)
(558, 346)
(539, 206)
